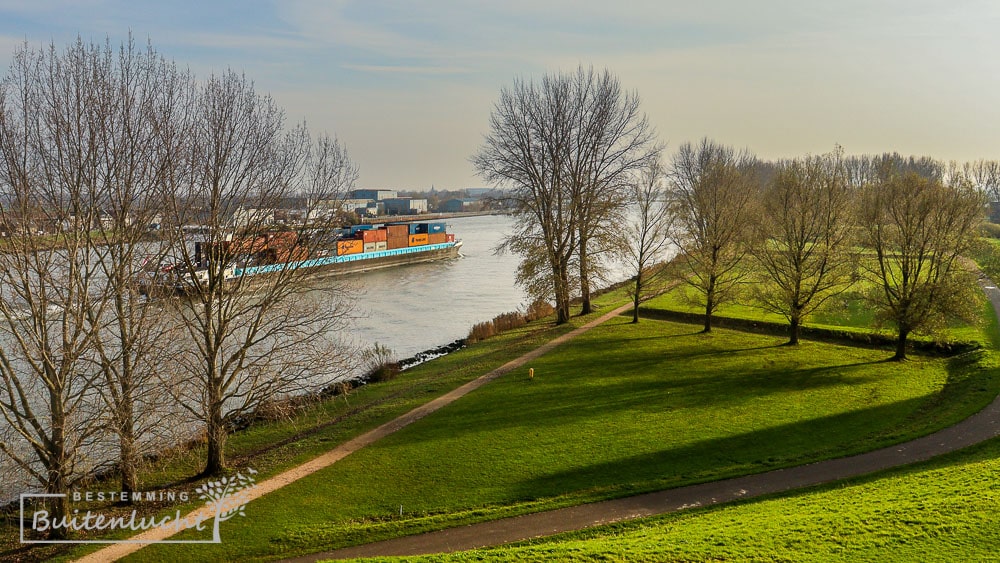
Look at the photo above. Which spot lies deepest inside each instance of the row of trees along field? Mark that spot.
(583, 171)
(97, 143)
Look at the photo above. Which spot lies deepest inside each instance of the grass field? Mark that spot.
(942, 510)
(846, 312)
(326, 423)
(623, 409)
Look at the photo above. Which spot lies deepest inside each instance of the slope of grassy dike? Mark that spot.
(272, 447)
(942, 510)
(621, 410)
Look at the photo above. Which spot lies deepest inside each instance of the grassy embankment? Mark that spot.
(272, 447)
(607, 416)
(621, 410)
(941, 510)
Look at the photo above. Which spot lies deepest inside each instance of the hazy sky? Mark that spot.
(409, 85)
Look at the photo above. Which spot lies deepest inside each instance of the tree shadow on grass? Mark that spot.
(576, 399)
(711, 459)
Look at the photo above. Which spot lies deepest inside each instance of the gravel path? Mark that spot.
(973, 430)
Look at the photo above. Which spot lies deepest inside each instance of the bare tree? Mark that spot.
(863, 170)
(985, 175)
(612, 139)
(647, 236)
(566, 148)
(528, 151)
(127, 331)
(50, 159)
(713, 189)
(251, 339)
(918, 227)
(804, 238)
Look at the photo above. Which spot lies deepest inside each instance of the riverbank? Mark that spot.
(272, 446)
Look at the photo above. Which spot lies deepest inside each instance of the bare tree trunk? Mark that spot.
(561, 274)
(793, 329)
(59, 508)
(904, 332)
(128, 455)
(709, 304)
(215, 462)
(636, 296)
(586, 307)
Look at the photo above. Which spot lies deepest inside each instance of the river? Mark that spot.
(417, 307)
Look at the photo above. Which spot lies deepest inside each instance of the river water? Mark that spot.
(417, 307)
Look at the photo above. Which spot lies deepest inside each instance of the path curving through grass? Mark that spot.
(117, 551)
(978, 428)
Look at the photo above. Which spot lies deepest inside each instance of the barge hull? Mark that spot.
(349, 263)
(321, 267)
(378, 262)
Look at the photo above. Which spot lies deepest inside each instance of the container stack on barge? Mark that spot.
(355, 249)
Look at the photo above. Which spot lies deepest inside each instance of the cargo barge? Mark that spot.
(355, 249)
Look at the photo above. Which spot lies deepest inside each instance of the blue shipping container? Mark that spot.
(427, 228)
(356, 228)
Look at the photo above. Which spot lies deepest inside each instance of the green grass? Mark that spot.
(327, 423)
(942, 510)
(625, 409)
(846, 312)
(986, 253)
(621, 410)
(338, 420)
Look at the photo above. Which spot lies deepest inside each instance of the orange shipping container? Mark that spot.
(284, 239)
(354, 246)
(418, 240)
(374, 235)
(437, 238)
(450, 238)
(296, 254)
(247, 245)
(397, 231)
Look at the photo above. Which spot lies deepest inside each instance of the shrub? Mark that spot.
(991, 230)
(380, 364)
(538, 309)
(509, 321)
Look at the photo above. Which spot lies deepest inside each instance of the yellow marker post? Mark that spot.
(531, 373)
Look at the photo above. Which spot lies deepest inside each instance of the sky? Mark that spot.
(409, 85)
